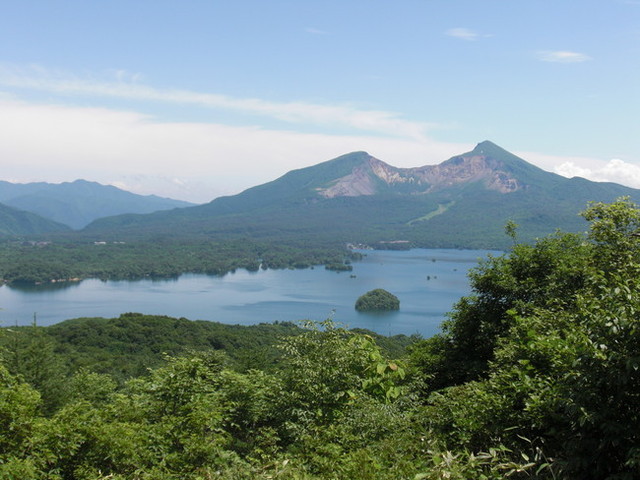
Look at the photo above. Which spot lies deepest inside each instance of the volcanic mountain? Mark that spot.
(463, 202)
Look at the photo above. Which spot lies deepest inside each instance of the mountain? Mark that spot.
(80, 202)
(18, 222)
(463, 202)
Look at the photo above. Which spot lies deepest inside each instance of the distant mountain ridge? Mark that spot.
(464, 201)
(78, 203)
(18, 222)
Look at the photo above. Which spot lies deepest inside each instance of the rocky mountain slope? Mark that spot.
(463, 202)
(475, 167)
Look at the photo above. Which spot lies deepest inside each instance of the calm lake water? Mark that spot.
(427, 282)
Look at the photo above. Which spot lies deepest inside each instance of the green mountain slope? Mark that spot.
(462, 202)
(16, 222)
(80, 202)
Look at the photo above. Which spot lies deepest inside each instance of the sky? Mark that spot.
(195, 99)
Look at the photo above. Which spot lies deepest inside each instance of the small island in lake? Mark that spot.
(378, 300)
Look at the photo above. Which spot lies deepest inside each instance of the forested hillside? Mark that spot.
(78, 203)
(462, 202)
(15, 222)
(535, 375)
(309, 215)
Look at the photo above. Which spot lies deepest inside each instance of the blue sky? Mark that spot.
(197, 99)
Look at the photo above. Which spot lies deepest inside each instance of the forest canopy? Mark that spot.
(378, 300)
(536, 374)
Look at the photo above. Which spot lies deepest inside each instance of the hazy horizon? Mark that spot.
(206, 99)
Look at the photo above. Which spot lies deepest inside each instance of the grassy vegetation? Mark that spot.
(441, 209)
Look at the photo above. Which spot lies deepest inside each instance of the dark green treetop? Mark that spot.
(377, 300)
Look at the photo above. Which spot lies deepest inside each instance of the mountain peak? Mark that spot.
(487, 163)
(490, 149)
(359, 174)
(463, 201)
(487, 146)
(365, 178)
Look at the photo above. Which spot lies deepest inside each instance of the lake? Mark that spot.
(427, 282)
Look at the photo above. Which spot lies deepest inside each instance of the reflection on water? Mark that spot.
(427, 282)
(45, 287)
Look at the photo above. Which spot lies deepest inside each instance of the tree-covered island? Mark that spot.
(378, 300)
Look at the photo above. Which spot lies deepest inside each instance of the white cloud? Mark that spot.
(316, 31)
(462, 33)
(570, 170)
(342, 116)
(562, 56)
(465, 34)
(616, 170)
(201, 161)
(594, 169)
(550, 163)
(126, 76)
(55, 143)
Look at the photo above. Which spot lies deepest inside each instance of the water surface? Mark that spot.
(427, 282)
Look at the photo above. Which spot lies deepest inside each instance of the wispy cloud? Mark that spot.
(316, 31)
(201, 161)
(465, 34)
(562, 56)
(126, 86)
(191, 161)
(125, 76)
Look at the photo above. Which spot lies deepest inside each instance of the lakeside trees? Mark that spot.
(536, 375)
(33, 263)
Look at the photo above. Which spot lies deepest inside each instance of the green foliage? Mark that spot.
(77, 258)
(339, 267)
(194, 418)
(130, 344)
(327, 367)
(511, 229)
(377, 300)
(29, 354)
(562, 377)
(19, 404)
(548, 274)
(536, 375)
